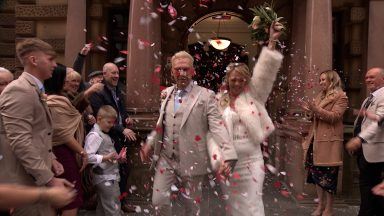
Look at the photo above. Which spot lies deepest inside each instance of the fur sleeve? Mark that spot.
(264, 74)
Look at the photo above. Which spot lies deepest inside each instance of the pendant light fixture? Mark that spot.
(219, 43)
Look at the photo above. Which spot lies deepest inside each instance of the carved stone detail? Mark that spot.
(41, 11)
(27, 1)
(7, 49)
(355, 48)
(57, 44)
(8, 63)
(7, 5)
(358, 14)
(25, 28)
(7, 19)
(96, 11)
(7, 34)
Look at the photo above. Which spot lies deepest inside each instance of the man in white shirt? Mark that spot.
(368, 144)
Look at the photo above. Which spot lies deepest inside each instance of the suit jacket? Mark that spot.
(25, 134)
(105, 97)
(200, 116)
(371, 132)
(327, 130)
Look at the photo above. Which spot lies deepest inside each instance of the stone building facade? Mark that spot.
(342, 34)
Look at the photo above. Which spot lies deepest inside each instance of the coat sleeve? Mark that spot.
(218, 130)
(264, 74)
(337, 111)
(17, 114)
(374, 128)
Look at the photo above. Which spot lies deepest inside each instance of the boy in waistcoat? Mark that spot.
(102, 153)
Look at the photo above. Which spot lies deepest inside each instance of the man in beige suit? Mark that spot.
(368, 144)
(26, 127)
(187, 113)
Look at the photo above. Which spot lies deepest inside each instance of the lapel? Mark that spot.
(164, 103)
(193, 96)
(362, 105)
(42, 100)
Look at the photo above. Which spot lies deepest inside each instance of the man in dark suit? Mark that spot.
(112, 95)
(26, 127)
(368, 144)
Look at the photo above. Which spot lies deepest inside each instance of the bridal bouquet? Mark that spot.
(263, 18)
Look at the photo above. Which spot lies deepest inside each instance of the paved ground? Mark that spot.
(276, 202)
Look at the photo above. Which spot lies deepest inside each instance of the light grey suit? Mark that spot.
(25, 139)
(199, 114)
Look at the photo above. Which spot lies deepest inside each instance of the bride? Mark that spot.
(244, 113)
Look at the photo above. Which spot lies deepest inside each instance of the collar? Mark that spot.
(378, 92)
(38, 82)
(189, 87)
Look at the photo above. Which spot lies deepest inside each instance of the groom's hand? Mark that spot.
(144, 153)
(226, 168)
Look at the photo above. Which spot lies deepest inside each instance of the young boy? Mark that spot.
(102, 153)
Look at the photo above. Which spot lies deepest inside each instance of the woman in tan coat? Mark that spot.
(323, 148)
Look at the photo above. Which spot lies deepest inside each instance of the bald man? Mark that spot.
(120, 133)
(368, 144)
(5, 78)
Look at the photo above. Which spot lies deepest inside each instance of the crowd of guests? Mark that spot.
(56, 131)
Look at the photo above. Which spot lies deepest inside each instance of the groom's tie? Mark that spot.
(178, 99)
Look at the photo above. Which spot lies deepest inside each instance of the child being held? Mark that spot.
(102, 153)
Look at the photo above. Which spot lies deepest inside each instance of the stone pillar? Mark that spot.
(143, 85)
(311, 54)
(144, 38)
(75, 34)
(375, 53)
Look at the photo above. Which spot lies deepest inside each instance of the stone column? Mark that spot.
(144, 38)
(375, 53)
(143, 84)
(75, 34)
(311, 54)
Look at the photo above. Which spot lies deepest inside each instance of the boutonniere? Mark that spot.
(43, 97)
(163, 95)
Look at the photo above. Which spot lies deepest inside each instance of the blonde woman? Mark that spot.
(323, 147)
(248, 123)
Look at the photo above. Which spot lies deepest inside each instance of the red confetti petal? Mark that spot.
(236, 175)
(197, 138)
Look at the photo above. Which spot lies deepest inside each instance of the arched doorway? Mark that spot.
(210, 63)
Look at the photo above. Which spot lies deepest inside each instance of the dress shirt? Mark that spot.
(92, 144)
(181, 95)
(38, 82)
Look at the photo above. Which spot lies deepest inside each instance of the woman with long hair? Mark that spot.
(323, 147)
(243, 109)
(68, 135)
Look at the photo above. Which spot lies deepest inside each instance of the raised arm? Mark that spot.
(264, 74)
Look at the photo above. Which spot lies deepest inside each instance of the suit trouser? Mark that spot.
(370, 175)
(108, 203)
(166, 176)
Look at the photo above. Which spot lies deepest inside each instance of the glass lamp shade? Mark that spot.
(219, 43)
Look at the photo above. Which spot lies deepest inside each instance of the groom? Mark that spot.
(187, 113)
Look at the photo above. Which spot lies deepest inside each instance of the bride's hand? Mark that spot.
(274, 33)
